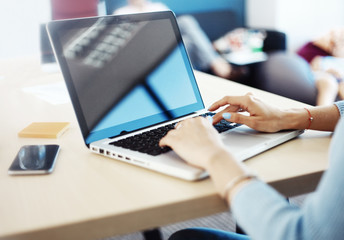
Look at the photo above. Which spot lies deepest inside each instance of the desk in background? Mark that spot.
(90, 196)
(245, 58)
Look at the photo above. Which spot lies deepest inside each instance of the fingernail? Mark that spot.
(226, 115)
(210, 119)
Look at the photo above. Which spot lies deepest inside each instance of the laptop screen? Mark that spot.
(125, 73)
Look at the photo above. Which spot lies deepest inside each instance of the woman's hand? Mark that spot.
(262, 116)
(199, 144)
(195, 140)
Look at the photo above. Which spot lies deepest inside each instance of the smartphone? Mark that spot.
(34, 159)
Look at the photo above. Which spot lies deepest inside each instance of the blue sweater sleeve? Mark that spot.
(264, 214)
(340, 106)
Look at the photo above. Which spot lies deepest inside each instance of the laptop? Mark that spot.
(130, 80)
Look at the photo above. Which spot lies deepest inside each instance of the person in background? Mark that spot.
(202, 54)
(326, 58)
(261, 211)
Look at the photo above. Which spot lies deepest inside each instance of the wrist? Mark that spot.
(227, 173)
(232, 186)
(295, 119)
(219, 155)
(232, 190)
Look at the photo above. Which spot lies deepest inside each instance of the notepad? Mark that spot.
(44, 130)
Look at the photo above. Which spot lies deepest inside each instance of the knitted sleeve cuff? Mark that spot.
(340, 106)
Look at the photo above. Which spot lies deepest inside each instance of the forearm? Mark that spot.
(260, 210)
(324, 118)
(265, 214)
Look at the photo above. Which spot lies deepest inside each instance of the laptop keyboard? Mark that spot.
(148, 142)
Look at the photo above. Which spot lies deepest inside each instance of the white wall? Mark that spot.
(301, 20)
(261, 13)
(19, 24)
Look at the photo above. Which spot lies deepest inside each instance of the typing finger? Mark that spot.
(230, 109)
(229, 100)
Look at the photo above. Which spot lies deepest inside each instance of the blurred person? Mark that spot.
(262, 212)
(326, 58)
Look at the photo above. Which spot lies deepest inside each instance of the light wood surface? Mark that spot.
(90, 196)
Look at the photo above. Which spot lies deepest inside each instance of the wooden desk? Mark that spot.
(90, 196)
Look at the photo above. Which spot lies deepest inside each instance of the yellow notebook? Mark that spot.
(44, 130)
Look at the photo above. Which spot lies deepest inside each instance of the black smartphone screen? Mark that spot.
(34, 159)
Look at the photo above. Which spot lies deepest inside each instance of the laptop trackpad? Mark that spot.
(241, 140)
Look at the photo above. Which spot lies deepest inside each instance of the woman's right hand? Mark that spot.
(262, 117)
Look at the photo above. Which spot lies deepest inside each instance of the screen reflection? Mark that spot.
(128, 75)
